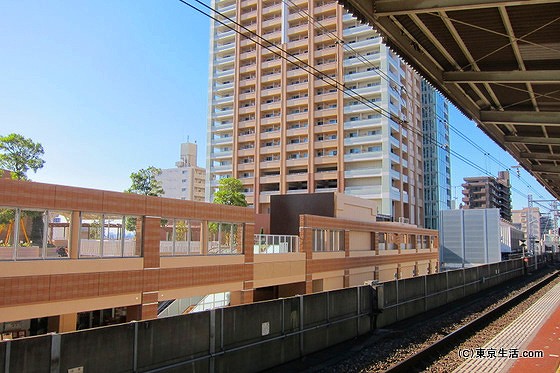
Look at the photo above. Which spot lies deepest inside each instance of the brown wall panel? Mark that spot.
(134, 204)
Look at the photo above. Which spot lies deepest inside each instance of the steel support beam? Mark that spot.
(532, 140)
(540, 156)
(396, 7)
(521, 117)
(546, 168)
(536, 76)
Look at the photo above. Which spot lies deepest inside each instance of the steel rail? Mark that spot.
(419, 359)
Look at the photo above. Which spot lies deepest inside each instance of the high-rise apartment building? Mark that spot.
(529, 218)
(488, 192)
(351, 123)
(187, 180)
(437, 159)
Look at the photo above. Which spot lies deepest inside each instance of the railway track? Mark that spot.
(425, 357)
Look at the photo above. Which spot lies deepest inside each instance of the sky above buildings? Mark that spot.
(110, 87)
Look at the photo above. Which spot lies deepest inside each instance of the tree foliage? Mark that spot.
(144, 182)
(18, 155)
(230, 192)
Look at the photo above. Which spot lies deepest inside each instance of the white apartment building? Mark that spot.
(350, 124)
(187, 180)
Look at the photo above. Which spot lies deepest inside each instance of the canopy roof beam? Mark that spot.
(536, 76)
(547, 118)
(392, 7)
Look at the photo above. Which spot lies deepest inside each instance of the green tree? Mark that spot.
(144, 182)
(18, 155)
(230, 192)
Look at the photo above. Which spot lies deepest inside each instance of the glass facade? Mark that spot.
(437, 162)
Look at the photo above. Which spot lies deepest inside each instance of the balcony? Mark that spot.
(250, 166)
(325, 144)
(221, 127)
(269, 179)
(296, 131)
(221, 88)
(297, 146)
(395, 194)
(376, 88)
(359, 108)
(303, 42)
(271, 78)
(362, 140)
(223, 48)
(297, 177)
(222, 114)
(221, 168)
(297, 162)
(360, 61)
(297, 116)
(270, 164)
(363, 44)
(326, 175)
(363, 156)
(272, 149)
(362, 123)
(222, 100)
(226, 34)
(326, 159)
(296, 72)
(358, 30)
(245, 152)
(227, 9)
(325, 52)
(367, 190)
(297, 87)
(221, 155)
(223, 60)
(302, 29)
(362, 173)
(222, 140)
(272, 63)
(224, 73)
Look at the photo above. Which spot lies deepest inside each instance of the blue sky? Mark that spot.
(110, 87)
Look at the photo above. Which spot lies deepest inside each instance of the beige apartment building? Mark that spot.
(350, 123)
(186, 181)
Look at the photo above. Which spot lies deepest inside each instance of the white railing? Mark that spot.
(275, 244)
(111, 248)
(181, 248)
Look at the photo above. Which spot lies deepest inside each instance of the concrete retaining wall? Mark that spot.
(247, 338)
(410, 297)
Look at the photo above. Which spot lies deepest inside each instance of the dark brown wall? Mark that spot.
(286, 209)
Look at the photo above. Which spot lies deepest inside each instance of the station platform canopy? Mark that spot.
(497, 61)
